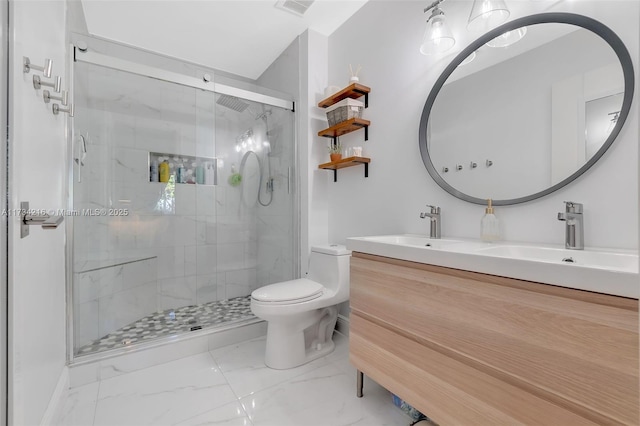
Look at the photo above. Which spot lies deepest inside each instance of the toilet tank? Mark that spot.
(329, 266)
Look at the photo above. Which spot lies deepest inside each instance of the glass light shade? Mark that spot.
(508, 38)
(437, 37)
(487, 14)
(468, 59)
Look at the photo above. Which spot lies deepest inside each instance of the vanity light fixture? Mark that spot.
(468, 59)
(486, 15)
(437, 37)
(508, 38)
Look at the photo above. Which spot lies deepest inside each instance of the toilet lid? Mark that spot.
(289, 291)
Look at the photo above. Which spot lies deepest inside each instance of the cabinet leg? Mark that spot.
(360, 377)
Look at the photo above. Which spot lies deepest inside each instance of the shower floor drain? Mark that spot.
(174, 321)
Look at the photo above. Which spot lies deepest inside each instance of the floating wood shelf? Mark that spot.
(346, 162)
(346, 127)
(353, 91)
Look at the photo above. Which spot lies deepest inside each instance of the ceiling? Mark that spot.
(242, 37)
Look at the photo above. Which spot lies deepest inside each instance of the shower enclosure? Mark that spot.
(182, 200)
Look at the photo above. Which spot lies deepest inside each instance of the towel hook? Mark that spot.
(64, 98)
(57, 110)
(27, 66)
(38, 83)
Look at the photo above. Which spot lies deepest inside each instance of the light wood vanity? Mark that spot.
(467, 348)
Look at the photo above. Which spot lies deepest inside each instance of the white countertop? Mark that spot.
(606, 271)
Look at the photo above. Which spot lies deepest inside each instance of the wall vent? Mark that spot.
(298, 7)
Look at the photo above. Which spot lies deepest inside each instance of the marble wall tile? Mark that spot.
(122, 232)
(99, 283)
(177, 292)
(207, 230)
(139, 273)
(171, 262)
(240, 282)
(207, 259)
(186, 200)
(207, 289)
(230, 256)
(191, 260)
(221, 279)
(129, 165)
(205, 200)
(127, 306)
(86, 327)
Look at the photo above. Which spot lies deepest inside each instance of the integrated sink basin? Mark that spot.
(412, 240)
(610, 260)
(599, 270)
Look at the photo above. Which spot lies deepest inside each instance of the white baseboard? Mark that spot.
(342, 326)
(53, 413)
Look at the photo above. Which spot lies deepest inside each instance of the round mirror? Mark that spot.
(514, 124)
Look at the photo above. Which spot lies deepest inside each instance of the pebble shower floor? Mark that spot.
(174, 321)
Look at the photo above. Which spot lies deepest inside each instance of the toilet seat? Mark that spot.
(288, 292)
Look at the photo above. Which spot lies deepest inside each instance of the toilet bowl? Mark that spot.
(301, 314)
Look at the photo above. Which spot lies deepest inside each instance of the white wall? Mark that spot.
(384, 37)
(37, 165)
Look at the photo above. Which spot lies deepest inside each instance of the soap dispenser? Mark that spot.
(489, 225)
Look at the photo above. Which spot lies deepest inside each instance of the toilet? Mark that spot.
(301, 314)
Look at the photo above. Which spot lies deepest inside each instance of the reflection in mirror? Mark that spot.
(539, 111)
(600, 115)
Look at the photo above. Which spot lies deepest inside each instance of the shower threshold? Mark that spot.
(174, 322)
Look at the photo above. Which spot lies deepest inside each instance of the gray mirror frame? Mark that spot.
(563, 18)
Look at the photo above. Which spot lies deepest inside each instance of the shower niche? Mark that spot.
(183, 169)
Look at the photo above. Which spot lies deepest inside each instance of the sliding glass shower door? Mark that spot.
(183, 204)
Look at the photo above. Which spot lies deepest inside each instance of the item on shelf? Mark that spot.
(356, 151)
(164, 171)
(344, 110)
(200, 175)
(153, 171)
(335, 157)
(181, 174)
(353, 76)
(209, 178)
(330, 90)
(335, 151)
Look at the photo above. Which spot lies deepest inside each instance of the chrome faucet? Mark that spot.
(434, 216)
(574, 229)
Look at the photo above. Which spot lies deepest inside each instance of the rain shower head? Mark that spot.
(232, 102)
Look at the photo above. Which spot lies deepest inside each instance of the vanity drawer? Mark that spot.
(576, 349)
(448, 391)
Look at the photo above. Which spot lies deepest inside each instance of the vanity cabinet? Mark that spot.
(469, 348)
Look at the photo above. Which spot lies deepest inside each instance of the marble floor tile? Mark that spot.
(231, 414)
(322, 397)
(231, 386)
(163, 394)
(244, 368)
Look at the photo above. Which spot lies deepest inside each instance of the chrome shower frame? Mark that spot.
(204, 83)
